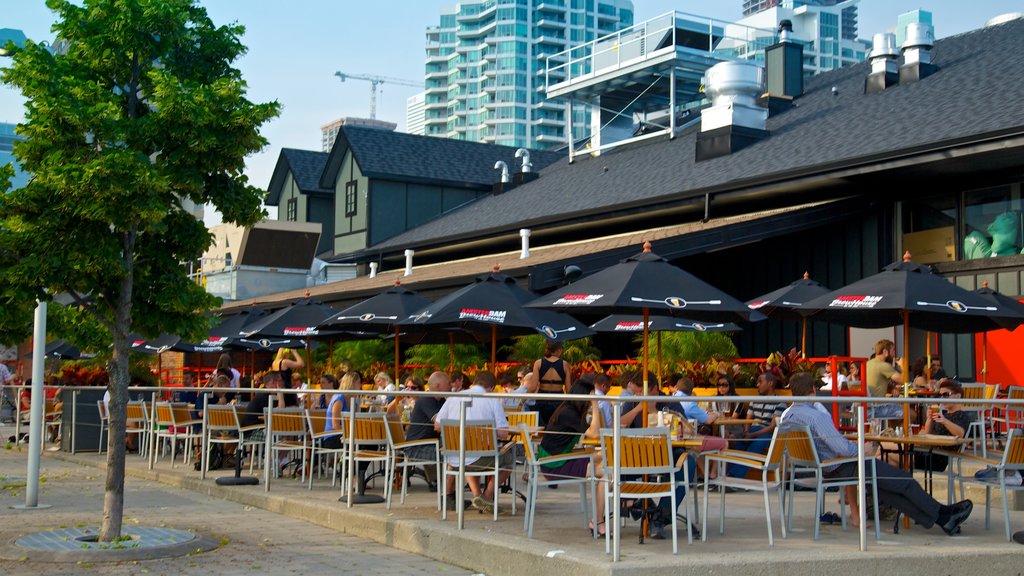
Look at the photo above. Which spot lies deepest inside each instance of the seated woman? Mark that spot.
(403, 404)
(567, 423)
(944, 420)
(730, 409)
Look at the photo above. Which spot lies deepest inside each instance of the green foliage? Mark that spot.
(529, 348)
(439, 357)
(362, 355)
(691, 346)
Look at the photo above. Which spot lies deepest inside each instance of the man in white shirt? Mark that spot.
(479, 407)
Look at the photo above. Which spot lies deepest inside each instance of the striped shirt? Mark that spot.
(765, 412)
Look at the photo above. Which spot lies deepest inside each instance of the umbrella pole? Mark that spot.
(644, 409)
(905, 366)
(928, 357)
(397, 377)
(984, 357)
(659, 359)
(803, 339)
(451, 352)
(494, 347)
(309, 363)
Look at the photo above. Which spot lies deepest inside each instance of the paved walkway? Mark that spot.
(254, 541)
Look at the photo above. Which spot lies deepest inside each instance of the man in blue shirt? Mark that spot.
(896, 487)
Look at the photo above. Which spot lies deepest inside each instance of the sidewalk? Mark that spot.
(254, 540)
(561, 544)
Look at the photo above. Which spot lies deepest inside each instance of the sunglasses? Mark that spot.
(946, 394)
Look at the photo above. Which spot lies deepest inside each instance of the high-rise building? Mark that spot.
(329, 131)
(414, 114)
(827, 28)
(7, 140)
(486, 62)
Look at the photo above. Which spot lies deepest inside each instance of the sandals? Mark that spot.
(600, 532)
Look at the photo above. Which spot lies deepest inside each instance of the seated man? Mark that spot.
(882, 376)
(896, 488)
(758, 436)
(421, 426)
(481, 408)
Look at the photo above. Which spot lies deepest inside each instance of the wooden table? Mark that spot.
(907, 444)
(721, 423)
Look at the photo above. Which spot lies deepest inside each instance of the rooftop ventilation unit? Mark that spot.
(884, 65)
(735, 118)
(917, 53)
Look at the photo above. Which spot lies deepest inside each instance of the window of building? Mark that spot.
(929, 229)
(350, 198)
(292, 210)
(992, 222)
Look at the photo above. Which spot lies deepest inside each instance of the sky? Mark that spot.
(296, 47)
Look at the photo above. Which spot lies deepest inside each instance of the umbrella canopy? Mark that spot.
(302, 319)
(156, 345)
(909, 293)
(494, 303)
(646, 281)
(62, 350)
(380, 313)
(634, 323)
(783, 304)
(1004, 302)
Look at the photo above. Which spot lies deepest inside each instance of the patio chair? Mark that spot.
(104, 424)
(1009, 461)
(137, 423)
(285, 433)
(53, 417)
(400, 459)
(646, 470)
(801, 457)
(770, 465)
(221, 426)
(536, 479)
(369, 435)
(174, 422)
(976, 430)
(1010, 416)
(317, 423)
(481, 441)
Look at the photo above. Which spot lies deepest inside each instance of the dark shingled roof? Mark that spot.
(974, 96)
(412, 158)
(305, 166)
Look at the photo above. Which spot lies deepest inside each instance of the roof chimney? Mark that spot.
(525, 175)
(917, 53)
(884, 67)
(735, 119)
(784, 70)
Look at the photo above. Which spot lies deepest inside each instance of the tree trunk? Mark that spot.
(113, 497)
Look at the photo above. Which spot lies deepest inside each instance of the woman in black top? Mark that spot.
(553, 373)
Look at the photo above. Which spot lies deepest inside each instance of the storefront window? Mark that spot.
(992, 221)
(929, 229)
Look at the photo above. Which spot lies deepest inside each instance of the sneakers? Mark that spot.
(958, 513)
(484, 506)
(990, 474)
(453, 503)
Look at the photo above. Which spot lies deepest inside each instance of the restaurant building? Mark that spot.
(836, 175)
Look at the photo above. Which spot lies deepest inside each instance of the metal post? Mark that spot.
(353, 408)
(35, 429)
(202, 440)
(267, 443)
(460, 502)
(861, 484)
(616, 492)
(153, 427)
(69, 435)
(671, 107)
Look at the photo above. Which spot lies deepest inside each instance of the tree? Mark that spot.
(142, 112)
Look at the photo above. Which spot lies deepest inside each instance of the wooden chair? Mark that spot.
(286, 433)
(221, 426)
(1010, 416)
(369, 435)
(137, 422)
(646, 470)
(317, 424)
(398, 445)
(770, 465)
(976, 430)
(802, 457)
(104, 424)
(536, 479)
(481, 441)
(1010, 460)
(174, 422)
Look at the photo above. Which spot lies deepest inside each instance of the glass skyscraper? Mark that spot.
(485, 67)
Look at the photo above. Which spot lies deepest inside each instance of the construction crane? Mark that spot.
(374, 82)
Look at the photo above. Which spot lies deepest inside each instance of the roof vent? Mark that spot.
(525, 155)
(524, 175)
(784, 66)
(735, 119)
(505, 178)
(1004, 18)
(884, 67)
(917, 53)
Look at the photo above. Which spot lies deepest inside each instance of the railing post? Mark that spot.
(861, 485)
(153, 427)
(267, 444)
(460, 502)
(202, 439)
(616, 520)
(353, 409)
(69, 433)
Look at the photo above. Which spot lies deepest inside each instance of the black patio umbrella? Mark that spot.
(494, 304)
(62, 350)
(649, 283)
(380, 315)
(301, 320)
(635, 323)
(157, 345)
(908, 294)
(783, 303)
(1006, 302)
